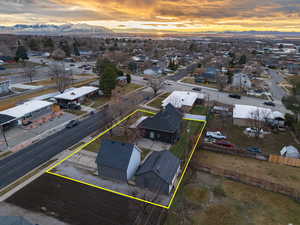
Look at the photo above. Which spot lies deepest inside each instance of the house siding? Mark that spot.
(153, 182)
(162, 136)
(134, 163)
(112, 173)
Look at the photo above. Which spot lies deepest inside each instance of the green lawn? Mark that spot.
(191, 80)
(189, 135)
(20, 65)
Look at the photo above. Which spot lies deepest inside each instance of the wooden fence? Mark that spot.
(246, 179)
(284, 160)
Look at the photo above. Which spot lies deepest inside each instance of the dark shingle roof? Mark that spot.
(164, 164)
(5, 118)
(115, 154)
(13, 220)
(167, 120)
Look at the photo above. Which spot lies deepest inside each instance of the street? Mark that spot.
(276, 91)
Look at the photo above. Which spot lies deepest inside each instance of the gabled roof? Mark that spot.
(164, 164)
(115, 154)
(168, 120)
(13, 220)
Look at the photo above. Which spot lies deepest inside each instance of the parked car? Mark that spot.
(225, 144)
(72, 123)
(254, 149)
(72, 64)
(74, 106)
(2, 68)
(254, 130)
(196, 89)
(235, 96)
(270, 103)
(216, 135)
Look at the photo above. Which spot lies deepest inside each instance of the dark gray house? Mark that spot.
(117, 160)
(165, 126)
(159, 172)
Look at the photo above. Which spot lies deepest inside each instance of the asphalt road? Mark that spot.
(20, 163)
(277, 91)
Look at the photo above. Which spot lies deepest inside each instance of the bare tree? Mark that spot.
(29, 71)
(156, 84)
(61, 76)
(222, 82)
(58, 54)
(258, 119)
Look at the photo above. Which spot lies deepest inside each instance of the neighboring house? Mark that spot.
(76, 95)
(290, 152)
(122, 80)
(183, 99)
(117, 160)
(4, 87)
(159, 172)
(154, 71)
(243, 114)
(241, 80)
(30, 110)
(210, 75)
(14, 220)
(165, 126)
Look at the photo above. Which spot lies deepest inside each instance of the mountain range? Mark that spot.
(51, 29)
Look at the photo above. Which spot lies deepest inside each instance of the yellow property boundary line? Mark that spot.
(115, 192)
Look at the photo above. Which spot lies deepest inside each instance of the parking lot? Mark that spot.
(18, 135)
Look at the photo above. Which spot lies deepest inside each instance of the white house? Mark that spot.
(243, 113)
(28, 110)
(181, 99)
(290, 152)
(76, 95)
(241, 80)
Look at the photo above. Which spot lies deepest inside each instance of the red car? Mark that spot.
(225, 144)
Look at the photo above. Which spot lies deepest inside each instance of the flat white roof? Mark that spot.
(247, 111)
(182, 98)
(77, 93)
(26, 108)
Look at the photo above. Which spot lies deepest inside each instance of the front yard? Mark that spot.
(156, 103)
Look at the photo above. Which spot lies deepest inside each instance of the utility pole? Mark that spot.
(3, 133)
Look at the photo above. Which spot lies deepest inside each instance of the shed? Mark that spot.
(118, 160)
(290, 152)
(159, 172)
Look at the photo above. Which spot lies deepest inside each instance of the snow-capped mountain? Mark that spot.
(50, 29)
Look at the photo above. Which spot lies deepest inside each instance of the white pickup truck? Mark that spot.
(216, 135)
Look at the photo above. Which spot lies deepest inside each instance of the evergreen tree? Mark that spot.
(48, 44)
(243, 60)
(76, 48)
(21, 53)
(108, 80)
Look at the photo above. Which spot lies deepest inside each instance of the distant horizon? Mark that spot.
(184, 16)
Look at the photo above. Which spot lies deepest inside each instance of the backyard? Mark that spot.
(156, 103)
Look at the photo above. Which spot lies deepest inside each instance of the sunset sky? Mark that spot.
(158, 15)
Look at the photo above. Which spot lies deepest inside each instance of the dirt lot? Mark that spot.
(78, 204)
(276, 173)
(271, 143)
(212, 200)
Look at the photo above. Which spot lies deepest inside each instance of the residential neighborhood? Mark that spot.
(141, 122)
